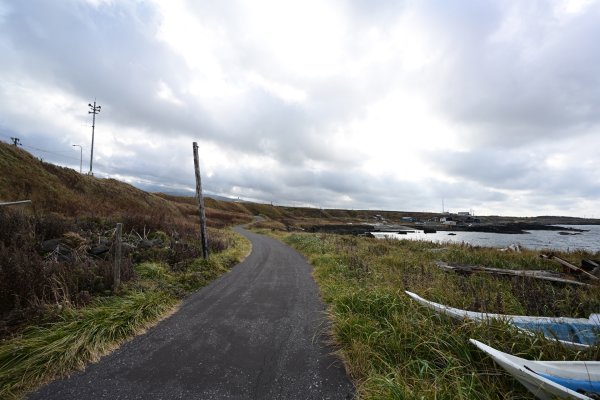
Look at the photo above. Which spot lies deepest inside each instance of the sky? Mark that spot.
(484, 105)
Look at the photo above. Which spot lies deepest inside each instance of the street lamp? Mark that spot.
(93, 110)
(80, 155)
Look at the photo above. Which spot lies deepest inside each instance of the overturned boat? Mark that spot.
(550, 379)
(579, 333)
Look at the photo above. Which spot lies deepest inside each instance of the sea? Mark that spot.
(535, 240)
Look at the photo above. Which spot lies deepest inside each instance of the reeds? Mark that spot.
(72, 337)
(79, 336)
(395, 349)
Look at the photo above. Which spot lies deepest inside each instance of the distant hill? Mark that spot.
(64, 191)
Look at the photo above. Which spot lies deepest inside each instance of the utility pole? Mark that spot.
(16, 141)
(80, 156)
(93, 110)
(201, 211)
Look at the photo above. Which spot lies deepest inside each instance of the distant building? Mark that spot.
(464, 213)
(408, 219)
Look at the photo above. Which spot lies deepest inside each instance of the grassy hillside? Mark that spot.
(59, 305)
(64, 191)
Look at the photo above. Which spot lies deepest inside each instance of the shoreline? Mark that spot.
(517, 228)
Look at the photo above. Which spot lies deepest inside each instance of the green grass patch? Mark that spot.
(395, 349)
(80, 336)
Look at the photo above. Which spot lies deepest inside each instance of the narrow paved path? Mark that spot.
(255, 333)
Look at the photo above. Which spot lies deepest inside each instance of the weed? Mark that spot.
(394, 348)
(77, 336)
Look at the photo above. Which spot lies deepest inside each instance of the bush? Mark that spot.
(31, 282)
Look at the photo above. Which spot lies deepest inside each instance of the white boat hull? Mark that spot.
(529, 373)
(525, 323)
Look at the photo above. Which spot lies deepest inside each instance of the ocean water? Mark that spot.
(537, 240)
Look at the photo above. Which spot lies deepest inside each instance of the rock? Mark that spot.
(341, 229)
(516, 247)
(98, 250)
(50, 245)
(145, 244)
(61, 251)
(65, 253)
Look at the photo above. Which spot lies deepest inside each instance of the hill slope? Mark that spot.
(54, 189)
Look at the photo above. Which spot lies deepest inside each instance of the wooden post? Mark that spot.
(117, 265)
(574, 267)
(200, 199)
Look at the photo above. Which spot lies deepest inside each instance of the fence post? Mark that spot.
(117, 265)
(201, 211)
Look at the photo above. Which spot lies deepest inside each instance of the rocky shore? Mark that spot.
(507, 228)
(512, 228)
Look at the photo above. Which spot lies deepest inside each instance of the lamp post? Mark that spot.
(80, 156)
(93, 110)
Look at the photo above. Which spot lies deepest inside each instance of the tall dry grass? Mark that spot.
(396, 349)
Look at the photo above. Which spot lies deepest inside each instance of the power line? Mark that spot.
(56, 153)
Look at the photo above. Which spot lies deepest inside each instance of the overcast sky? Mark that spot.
(492, 106)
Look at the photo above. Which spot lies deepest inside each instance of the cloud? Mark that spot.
(522, 76)
(489, 104)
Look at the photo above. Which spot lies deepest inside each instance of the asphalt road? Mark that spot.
(254, 333)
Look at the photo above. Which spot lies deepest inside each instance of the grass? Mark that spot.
(55, 189)
(395, 349)
(80, 336)
(392, 347)
(57, 314)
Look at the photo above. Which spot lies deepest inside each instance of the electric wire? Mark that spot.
(55, 152)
